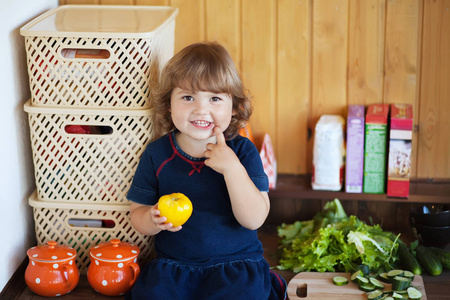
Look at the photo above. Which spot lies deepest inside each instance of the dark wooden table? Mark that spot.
(436, 287)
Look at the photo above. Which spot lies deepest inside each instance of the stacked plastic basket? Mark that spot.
(91, 70)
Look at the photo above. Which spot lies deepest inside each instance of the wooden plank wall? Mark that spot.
(304, 58)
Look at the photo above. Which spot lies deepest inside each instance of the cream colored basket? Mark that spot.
(82, 226)
(98, 55)
(90, 168)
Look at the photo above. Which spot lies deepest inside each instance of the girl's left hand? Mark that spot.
(250, 206)
(219, 156)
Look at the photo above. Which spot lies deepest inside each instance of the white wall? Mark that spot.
(17, 173)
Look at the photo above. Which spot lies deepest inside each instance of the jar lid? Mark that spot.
(114, 250)
(52, 252)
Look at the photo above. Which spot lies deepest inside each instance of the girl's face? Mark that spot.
(196, 114)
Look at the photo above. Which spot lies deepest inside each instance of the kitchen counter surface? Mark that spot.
(436, 287)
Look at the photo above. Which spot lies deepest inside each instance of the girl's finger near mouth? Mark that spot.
(220, 138)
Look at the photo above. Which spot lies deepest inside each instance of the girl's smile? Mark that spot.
(203, 124)
(195, 114)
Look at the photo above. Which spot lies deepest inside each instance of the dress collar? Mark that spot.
(196, 163)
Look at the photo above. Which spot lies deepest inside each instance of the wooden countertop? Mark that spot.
(436, 287)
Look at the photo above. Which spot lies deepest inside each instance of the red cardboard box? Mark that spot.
(400, 137)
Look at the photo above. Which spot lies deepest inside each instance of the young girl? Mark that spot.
(199, 108)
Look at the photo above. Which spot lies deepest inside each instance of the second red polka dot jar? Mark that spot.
(113, 269)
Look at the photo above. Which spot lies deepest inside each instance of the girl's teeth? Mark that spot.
(202, 123)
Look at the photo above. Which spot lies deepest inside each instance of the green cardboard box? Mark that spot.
(376, 133)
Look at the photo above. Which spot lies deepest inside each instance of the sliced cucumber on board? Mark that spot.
(355, 274)
(362, 280)
(340, 280)
(376, 283)
(400, 283)
(383, 277)
(414, 293)
(375, 295)
(396, 272)
(367, 287)
(409, 275)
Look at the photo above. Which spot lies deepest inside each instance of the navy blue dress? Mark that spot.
(212, 256)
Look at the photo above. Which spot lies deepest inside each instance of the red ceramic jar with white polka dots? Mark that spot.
(113, 269)
(51, 270)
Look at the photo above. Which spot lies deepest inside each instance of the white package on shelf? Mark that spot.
(329, 153)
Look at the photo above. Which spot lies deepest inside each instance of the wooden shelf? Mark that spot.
(421, 191)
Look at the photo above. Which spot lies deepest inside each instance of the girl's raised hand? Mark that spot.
(219, 156)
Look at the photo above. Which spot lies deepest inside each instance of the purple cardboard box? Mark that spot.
(354, 166)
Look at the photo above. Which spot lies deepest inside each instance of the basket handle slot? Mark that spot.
(88, 129)
(91, 223)
(84, 53)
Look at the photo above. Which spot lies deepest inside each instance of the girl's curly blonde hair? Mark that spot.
(205, 66)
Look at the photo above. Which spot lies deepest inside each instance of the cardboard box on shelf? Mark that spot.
(328, 153)
(399, 162)
(375, 148)
(354, 164)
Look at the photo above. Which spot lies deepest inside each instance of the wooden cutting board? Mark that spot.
(315, 285)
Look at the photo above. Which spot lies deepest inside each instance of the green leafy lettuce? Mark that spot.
(332, 241)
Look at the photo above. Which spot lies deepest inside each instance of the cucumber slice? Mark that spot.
(396, 295)
(375, 295)
(388, 298)
(357, 273)
(414, 293)
(409, 275)
(376, 283)
(362, 280)
(340, 280)
(383, 277)
(400, 283)
(367, 287)
(395, 272)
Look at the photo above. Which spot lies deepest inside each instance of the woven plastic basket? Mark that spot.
(53, 223)
(98, 55)
(89, 168)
